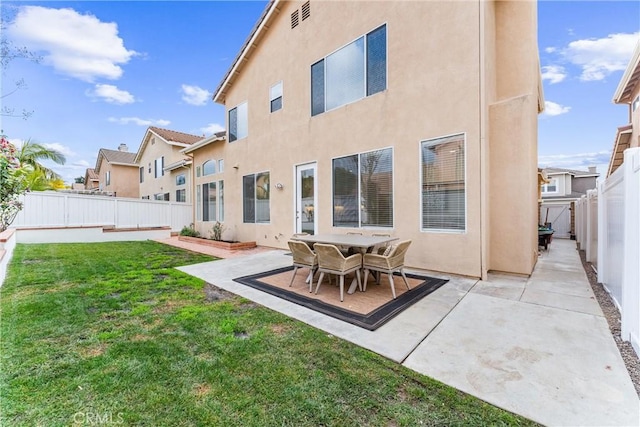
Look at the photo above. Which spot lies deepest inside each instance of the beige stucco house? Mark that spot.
(628, 92)
(417, 119)
(91, 179)
(208, 177)
(117, 172)
(164, 173)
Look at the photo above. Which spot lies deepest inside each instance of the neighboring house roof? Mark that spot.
(250, 44)
(171, 137)
(622, 142)
(559, 171)
(91, 174)
(630, 79)
(115, 157)
(218, 136)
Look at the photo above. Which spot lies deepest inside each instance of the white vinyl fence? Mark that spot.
(608, 229)
(53, 209)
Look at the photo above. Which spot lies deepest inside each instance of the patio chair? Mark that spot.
(381, 248)
(303, 257)
(331, 261)
(390, 263)
(346, 250)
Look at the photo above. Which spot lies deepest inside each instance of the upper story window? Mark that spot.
(551, 187)
(354, 71)
(209, 167)
(275, 97)
(142, 174)
(443, 183)
(636, 103)
(159, 167)
(108, 178)
(181, 179)
(221, 165)
(238, 122)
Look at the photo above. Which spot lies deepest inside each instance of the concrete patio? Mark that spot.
(537, 346)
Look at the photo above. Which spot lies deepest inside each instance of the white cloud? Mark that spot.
(550, 49)
(195, 95)
(554, 109)
(111, 94)
(138, 121)
(553, 73)
(83, 164)
(66, 151)
(598, 58)
(76, 45)
(212, 128)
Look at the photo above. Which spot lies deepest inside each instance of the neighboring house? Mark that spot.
(91, 179)
(417, 119)
(565, 186)
(208, 176)
(117, 172)
(628, 92)
(164, 173)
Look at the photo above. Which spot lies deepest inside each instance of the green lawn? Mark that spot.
(111, 333)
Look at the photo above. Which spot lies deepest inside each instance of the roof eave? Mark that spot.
(629, 79)
(256, 33)
(617, 156)
(202, 143)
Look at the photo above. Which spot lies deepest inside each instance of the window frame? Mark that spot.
(272, 98)
(158, 172)
(359, 191)
(365, 63)
(232, 137)
(213, 164)
(255, 198)
(184, 179)
(183, 192)
(545, 187)
(107, 179)
(141, 174)
(465, 228)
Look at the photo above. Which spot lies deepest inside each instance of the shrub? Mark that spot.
(189, 231)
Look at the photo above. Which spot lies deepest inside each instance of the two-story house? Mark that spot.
(117, 172)
(418, 119)
(164, 173)
(628, 93)
(559, 195)
(91, 179)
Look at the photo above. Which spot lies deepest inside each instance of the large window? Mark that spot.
(275, 97)
(443, 183)
(211, 200)
(238, 122)
(256, 197)
(355, 71)
(363, 189)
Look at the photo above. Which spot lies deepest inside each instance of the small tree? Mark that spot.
(12, 183)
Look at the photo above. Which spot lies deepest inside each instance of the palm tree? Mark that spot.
(30, 155)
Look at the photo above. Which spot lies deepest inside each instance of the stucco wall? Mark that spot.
(123, 180)
(433, 89)
(154, 149)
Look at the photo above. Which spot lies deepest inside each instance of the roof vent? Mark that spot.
(295, 20)
(306, 10)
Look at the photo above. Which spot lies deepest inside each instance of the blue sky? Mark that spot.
(111, 69)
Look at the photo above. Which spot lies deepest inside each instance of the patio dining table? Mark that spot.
(365, 244)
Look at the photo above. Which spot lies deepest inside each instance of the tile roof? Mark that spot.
(116, 156)
(174, 136)
(91, 174)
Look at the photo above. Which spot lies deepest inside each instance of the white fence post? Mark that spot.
(591, 241)
(602, 235)
(630, 310)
